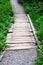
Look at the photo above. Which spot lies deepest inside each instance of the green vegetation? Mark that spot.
(6, 19)
(35, 9)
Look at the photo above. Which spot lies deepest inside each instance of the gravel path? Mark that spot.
(20, 57)
(20, 42)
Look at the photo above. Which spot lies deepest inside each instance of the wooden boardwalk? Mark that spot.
(20, 35)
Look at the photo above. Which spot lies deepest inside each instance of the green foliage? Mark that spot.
(2, 45)
(30, 1)
(39, 59)
(5, 7)
(6, 20)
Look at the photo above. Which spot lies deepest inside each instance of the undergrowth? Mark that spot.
(6, 19)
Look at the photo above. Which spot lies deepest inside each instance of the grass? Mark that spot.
(6, 20)
(35, 10)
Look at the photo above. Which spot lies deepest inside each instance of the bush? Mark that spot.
(39, 59)
(6, 19)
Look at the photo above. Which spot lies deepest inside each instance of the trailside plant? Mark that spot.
(6, 20)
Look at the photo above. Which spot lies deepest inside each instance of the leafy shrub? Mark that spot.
(6, 19)
(39, 59)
